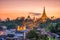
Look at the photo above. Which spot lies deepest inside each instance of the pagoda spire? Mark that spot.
(44, 16)
(44, 13)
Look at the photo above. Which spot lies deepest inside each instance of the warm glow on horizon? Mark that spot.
(18, 8)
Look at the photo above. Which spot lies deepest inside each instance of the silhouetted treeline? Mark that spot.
(13, 23)
(19, 21)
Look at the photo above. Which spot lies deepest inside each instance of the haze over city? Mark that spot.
(29, 19)
(18, 8)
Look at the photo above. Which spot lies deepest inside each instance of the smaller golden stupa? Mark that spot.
(21, 28)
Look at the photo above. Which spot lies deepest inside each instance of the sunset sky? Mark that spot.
(18, 8)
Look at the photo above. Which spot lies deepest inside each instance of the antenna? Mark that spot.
(44, 3)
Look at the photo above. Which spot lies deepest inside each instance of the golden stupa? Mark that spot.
(44, 16)
(21, 28)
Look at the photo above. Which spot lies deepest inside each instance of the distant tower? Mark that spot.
(44, 16)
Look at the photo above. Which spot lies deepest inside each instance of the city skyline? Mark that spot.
(18, 8)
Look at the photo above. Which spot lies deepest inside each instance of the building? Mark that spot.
(43, 17)
(21, 28)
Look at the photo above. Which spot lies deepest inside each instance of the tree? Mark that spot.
(11, 26)
(57, 28)
(51, 26)
(42, 25)
(43, 37)
(19, 20)
(32, 35)
(8, 19)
